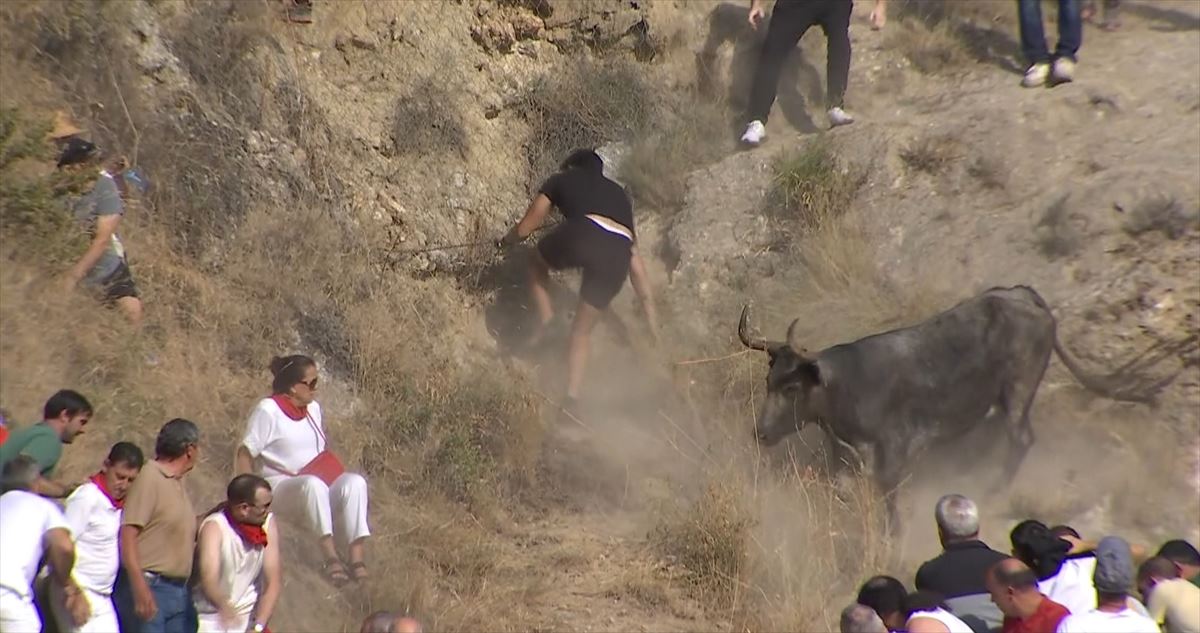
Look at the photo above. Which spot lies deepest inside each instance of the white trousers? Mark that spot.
(17, 613)
(339, 510)
(104, 616)
(211, 623)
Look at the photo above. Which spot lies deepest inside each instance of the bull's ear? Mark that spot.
(810, 374)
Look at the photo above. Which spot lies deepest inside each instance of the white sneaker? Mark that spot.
(1063, 72)
(838, 116)
(1036, 75)
(755, 133)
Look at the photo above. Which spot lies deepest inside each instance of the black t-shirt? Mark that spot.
(959, 570)
(579, 192)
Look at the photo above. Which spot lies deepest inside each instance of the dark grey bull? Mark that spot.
(888, 396)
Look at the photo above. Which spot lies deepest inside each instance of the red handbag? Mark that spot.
(325, 466)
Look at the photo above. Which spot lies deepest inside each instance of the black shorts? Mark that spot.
(118, 285)
(603, 256)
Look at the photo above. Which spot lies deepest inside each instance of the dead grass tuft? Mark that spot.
(1163, 213)
(426, 121)
(1056, 234)
(812, 186)
(932, 48)
(583, 104)
(709, 541)
(932, 155)
(658, 165)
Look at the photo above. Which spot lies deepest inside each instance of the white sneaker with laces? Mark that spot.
(755, 133)
(1064, 71)
(838, 116)
(1036, 75)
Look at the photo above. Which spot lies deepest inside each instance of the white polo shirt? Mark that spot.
(24, 520)
(95, 523)
(1125, 621)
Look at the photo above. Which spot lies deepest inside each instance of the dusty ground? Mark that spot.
(1124, 138)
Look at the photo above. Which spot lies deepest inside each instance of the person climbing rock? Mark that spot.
(597, 237)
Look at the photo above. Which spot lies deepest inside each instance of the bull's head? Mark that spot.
(795, 394)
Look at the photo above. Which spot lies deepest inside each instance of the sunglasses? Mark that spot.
(311, 384)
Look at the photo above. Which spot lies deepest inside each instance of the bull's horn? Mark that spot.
(793, 339)
(749, 340)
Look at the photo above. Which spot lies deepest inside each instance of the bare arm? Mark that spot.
(640, 281)
(48, 488)
(60, 551)
(272, 577)
(132, 562)
(209, 559)
(879, 14)
(535, 215)
(243, 463)
(106, 226)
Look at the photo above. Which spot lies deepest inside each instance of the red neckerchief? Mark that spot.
(289, 408)
(252, 535)
(102, 484)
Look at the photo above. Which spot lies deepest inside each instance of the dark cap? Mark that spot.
(76, 150)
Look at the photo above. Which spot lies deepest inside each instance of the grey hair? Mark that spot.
(174, 438)
(858, 618)
(19, 473)
(957, 516)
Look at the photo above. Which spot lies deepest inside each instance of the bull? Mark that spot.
(884, 398)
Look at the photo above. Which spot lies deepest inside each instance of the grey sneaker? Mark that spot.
(838, 116)
(755, 133)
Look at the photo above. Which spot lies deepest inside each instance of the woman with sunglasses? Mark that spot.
(285, 439)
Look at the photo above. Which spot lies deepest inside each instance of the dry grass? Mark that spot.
(426, 122)
(658, 165)
(990, 171)
(812, 187)
(583, 104)
(1056, 234)
(931, 48)
(1162, 213)
(932, 155)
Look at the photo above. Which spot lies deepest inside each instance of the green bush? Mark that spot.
(812, 186)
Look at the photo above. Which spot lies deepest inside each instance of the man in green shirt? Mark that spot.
(63, 417)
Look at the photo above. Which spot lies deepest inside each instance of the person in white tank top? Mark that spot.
(927, 613)
(238, 546)
(285, 442)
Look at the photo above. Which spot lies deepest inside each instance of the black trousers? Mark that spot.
(789, 22)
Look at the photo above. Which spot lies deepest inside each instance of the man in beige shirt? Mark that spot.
(158, 537)
(1173, 602)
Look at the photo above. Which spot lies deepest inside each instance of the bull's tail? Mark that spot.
(1128, 382)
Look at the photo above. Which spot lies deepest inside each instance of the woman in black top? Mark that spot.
(598, 237)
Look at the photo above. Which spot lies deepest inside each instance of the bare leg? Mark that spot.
(326, 545)
(586, 317)
(131, 307)
(641, 286)
(356, 559)
(539, 282)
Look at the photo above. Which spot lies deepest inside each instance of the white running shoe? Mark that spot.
(1037, 75)
(838, 116)
(755, 133)
(1063, 72)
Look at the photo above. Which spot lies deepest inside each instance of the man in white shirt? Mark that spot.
(32, 526)
(1113, 579)
(238, 550)
(93, 514)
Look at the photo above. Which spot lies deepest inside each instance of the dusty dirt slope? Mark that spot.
(1089, 192)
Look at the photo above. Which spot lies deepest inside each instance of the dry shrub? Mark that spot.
(1056, 234)
(1163, 213)
(932, 49)
(932, 155)
(426, 121)
(709, 541)
(811, 185)
(657, 167)
(990, 171)
(583, 103)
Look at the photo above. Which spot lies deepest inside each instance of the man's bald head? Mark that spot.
(1013, 573)
(388, 622)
